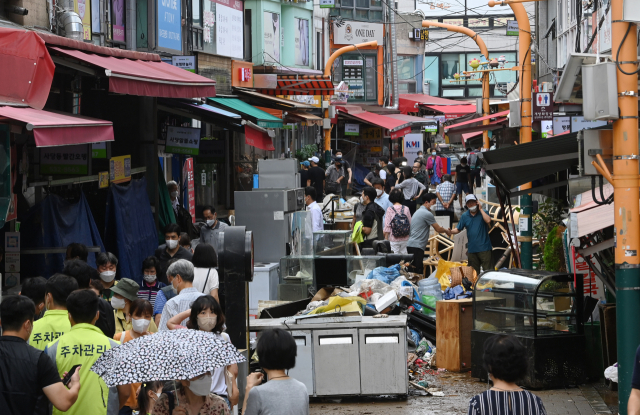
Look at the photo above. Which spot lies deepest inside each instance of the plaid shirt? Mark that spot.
(446, 190)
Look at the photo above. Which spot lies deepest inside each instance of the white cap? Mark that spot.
(470, 197)
(314, 159)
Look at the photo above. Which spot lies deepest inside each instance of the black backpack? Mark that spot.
(400, 224)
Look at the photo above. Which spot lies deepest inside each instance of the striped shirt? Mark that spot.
(506, 403)
(149, 293)
(178, 304)
(410, 188)
(446, 190)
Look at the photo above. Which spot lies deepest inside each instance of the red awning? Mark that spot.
(258, 139)
(467, 136)
(302, 85)
(486, 117)
(58, 129)
(27, 69)
(412, 102)
(397, 128)
(453, 111)
(146, 78)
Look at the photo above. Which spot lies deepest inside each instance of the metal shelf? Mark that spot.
(528, 312)
(540, 294)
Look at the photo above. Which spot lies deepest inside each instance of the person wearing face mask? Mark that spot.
(434, 168)
(317, 221)
(182, 274)
(476, 221)
(210, 230)
(149, 286)
(148, 395)
(172, 250)
(141, 312)
(193, 397)
(446, 193)
(206, 315)
(124, 294)
(107, 264)
(34, 288)
(421, 223)
(55, 321)
(372, 228)
(382, 199)
(182, 215)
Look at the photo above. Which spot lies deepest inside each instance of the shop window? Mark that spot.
(361, 10)
(475, 92)
(453, 92)
(431, 75)
(406, 74)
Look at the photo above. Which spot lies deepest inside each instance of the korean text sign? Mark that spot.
(120, 169)
(169, 24)
(183, 140)
(187, 174)
(64, 160)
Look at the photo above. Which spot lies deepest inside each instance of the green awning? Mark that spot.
(263, 119)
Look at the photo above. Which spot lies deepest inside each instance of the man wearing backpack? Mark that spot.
(397, 223)
(371, 218)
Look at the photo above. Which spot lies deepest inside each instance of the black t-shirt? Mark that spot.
(304, 176)
(368, 216)
(462, 173)
(345, 164)
(390, 182)
(316, 175)
(635, 380)
(164, 258)
(24, 372)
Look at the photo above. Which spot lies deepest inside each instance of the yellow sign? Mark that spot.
(83, 8)
(103, 179)
(372, 134)
(315, 100)
(120, 169)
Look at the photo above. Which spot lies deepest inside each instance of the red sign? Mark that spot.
(592, 284)
(400, 133)
(187, 174)
(245, 74)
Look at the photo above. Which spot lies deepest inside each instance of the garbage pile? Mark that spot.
(421, 366)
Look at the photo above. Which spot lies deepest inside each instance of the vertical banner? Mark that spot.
(302, 42)
(187, 174)
(117, 20)
(95, 16)
(83, 8)
(412, 144)
(12, 259)
(271, 31)
(142, 26)
(169, 25)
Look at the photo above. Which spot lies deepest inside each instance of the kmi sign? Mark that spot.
(358, 32)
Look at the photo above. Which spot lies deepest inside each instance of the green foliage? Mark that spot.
(306, 152)
(550, 214)
(553, 252)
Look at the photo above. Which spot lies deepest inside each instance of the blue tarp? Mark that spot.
(55, 223)
(359, 172)
(130, 232)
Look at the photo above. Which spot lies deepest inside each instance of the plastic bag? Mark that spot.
(611, 373)
(443, 272)
(347, 304)
(366, 288)
(386, 275)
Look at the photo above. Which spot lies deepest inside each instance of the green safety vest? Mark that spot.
(84, 344)
(52, 325)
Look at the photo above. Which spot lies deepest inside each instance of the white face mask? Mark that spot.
(361, 199)
(117, 303)
(171, 244)
(379, 192)
(140, 325)
(149, 278)
(473, 209)
(174, 289)
(107, 276)
(207, 323)
(202, 386)
(211, 222)
(174, 194)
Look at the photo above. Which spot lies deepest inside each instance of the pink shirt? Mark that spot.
(388, 217)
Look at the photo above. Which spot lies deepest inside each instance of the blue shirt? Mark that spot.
(161, 300)
(477, 232)
(383, 202)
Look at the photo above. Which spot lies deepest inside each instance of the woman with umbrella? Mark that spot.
(193, 397)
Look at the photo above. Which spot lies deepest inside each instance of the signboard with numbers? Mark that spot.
(64, 160)
(183, 140)
(120, 169)
(420, 34)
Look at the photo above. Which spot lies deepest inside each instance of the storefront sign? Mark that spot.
(99, 150)
(230, 30)
(301, 41)
(271, 28)
(358, 32)
(187, 174)
(512, 28)
(352, 129)
(400, 133)
(431, 128)
(118, 20)
(578, 123)
(543, 106)
(185, 62)
(120, 169)
(244, 74)
(83, 8)
(169, 24)
(412, 145)
(241, 74)
(546, 129)
(183, 140)
(64, 160)
(420, 34)
(12, 262)
(103, 179)
(327, 4)
(561, 125)
(315, 100)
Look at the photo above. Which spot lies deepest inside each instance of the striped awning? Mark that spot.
(301, 85)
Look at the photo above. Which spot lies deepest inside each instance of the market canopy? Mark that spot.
(258, 138)
(486, 117)
(59, 129)
(262, 100)
(513, 166)
(201, 112)
(248, 111)
(397, 128)
(27, 69)
(139, 77)
(305, 117)
(452, 111)
(301, 85)
(413, 102)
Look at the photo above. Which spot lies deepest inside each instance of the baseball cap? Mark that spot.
(127, 288)
(470, 197)
(314, 159)
(305, 163)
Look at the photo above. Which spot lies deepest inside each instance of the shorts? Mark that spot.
(462, 186)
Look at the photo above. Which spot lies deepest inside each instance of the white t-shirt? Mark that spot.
(383, 174)
(200, 276)
(218, 382)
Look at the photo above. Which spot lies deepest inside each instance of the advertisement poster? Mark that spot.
(64, 160)
(230, 30)
(95, 16)
(543, 106)
(12, 262)
(271, 37)
(578, 123)
(169, 24)
(512, 28)
(352, 129)
(12, 241)
(302, 42)
(187, 174)
(117, 20)
(83, 8)
(546, 129)
(120, 169)
(183, 140)
(561, 125)
(412, 144)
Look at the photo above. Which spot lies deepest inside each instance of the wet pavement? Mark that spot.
(458, 388)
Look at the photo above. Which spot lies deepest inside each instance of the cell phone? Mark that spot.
(67, 378)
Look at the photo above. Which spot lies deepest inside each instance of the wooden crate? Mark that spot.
(453, 334)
